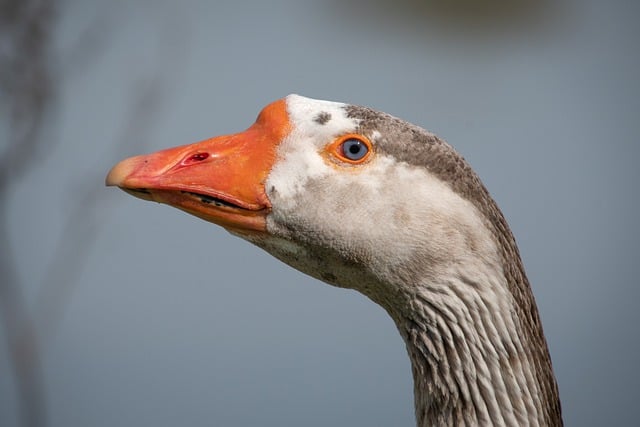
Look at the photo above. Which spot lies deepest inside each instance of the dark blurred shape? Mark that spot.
(25, 77)
(31, 73)
(26, 94)
(465, 19)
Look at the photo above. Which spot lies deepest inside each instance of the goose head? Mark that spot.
(360, 199)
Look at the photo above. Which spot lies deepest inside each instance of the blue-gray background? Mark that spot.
(165, 320)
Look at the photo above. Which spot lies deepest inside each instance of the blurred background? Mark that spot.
(118, 312)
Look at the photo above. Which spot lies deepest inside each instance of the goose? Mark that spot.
(360, 199)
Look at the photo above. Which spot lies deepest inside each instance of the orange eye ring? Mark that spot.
(352, 148)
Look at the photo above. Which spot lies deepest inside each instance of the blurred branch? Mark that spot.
(25, 81)
(84, 217)
(28, 86)
(21, 336)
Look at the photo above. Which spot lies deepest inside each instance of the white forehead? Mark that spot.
(315, 124)
(314, 117)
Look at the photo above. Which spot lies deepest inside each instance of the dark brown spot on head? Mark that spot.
(322, 118)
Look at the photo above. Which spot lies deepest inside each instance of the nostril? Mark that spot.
(197, 157)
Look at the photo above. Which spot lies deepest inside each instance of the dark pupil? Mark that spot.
(355, 147)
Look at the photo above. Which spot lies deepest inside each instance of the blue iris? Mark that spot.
(354, 149)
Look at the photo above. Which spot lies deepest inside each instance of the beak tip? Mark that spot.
(119, 173)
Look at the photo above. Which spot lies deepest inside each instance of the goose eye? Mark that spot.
(354, 149)
(351, 148)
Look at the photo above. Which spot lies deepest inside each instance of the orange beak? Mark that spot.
(220, 180)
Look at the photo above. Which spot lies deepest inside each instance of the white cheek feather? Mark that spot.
(299, 153)
(422, 213)
(412, 209)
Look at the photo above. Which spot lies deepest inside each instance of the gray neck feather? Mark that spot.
(469, 364)
(472, 365)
